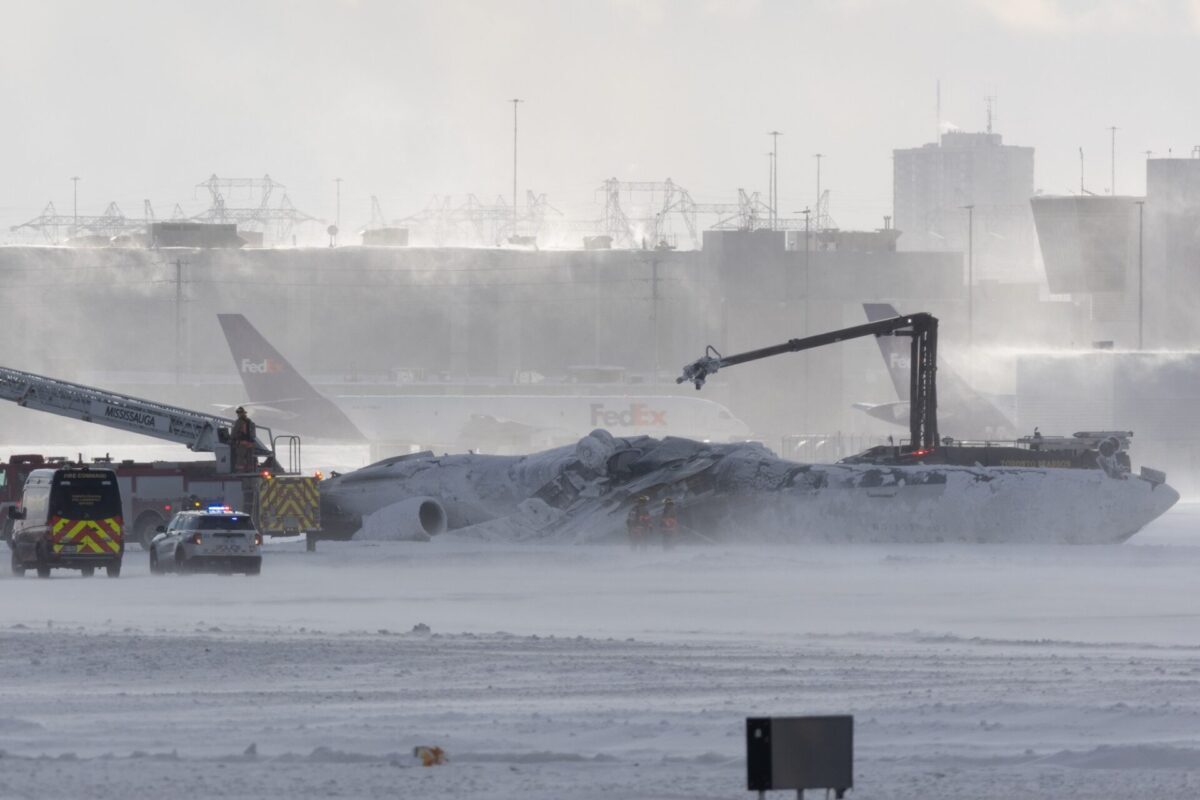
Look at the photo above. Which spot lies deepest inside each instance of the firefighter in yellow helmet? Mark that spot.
(244, 435)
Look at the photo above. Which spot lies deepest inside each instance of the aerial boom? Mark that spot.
(203, 433)
(922, 328)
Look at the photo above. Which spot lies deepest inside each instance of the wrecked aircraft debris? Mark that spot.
(730, 493)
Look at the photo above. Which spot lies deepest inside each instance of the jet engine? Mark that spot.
(417, 519)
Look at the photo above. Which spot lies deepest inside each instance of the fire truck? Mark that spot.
(281, 500)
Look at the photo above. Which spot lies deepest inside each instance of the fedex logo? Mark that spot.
(638, 415)
(897, 361)
(264, 367)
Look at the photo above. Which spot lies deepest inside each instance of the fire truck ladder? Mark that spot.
(202, 433)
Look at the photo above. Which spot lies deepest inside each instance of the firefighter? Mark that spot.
(430, 756)
(243, 442)
(668, 524)
(639, 522)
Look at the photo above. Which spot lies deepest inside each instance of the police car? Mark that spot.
(218, 539)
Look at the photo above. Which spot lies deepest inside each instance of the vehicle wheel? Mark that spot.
(113, 570)
(43, 568)
(88, 571)
(18, 566)
(143, 528)
(180, 561)
(155, 569)
(254, 569)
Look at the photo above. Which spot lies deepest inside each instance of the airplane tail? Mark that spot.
(276, 389)
(896, 350)
(963, 411)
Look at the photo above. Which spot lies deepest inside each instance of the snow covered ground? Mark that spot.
(597, 672)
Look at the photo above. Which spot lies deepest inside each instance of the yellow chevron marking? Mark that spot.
(88, 535)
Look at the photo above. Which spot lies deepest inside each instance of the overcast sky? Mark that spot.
(405, 100)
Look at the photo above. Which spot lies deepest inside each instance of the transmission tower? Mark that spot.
(279, 222)
(50, 223)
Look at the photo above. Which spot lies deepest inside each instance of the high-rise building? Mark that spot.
(932, 185)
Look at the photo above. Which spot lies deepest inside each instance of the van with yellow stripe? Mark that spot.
(69, 518)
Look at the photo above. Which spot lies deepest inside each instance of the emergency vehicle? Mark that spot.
(277, 496)
(151, 491)
(218, 539)
(70, 517)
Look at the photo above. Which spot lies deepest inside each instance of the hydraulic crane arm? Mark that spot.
(203, 433)
(922, 328)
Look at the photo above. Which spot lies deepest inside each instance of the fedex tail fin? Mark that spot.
(896, 350)
(277, 390)
(962, 411)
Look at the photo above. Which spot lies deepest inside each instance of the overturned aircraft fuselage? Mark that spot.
(738, 492)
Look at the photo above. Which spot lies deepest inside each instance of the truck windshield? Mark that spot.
(85, 495)
(223, 523)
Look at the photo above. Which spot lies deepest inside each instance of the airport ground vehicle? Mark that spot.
(216, 539)
(70, 517)
(151, 491)
(280, 500)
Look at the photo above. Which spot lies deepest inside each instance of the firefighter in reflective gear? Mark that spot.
(668, 524)
(243, 443)
(639, 522)
(430, 756)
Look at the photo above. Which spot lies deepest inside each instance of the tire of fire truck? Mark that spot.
(155, 569)
(18, 566)
(143, 528)
(88, 571)
(114, 569)
(43, 568)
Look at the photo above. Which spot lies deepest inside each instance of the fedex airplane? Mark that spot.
(281, 397)
(962, 412)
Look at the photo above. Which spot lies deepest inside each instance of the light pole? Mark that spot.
(770, 190)
(818, 157)
(1112, 178)
(1141, 204)
(515, 101)
(807, 212)
(75, 205)
(970, 276)
(337, 222)
(774, 176)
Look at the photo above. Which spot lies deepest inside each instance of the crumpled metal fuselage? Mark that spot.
(732, 492)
